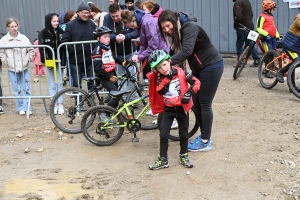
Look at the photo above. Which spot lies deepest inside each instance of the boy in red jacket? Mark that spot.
(170, 93)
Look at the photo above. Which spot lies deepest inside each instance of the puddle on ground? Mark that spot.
(47, 189)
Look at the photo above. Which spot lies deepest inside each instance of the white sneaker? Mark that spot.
(55, 109)
(174, 124)
(61, 109)
(22, 112)
(149, 112)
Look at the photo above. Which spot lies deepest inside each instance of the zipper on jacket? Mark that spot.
(197, 59)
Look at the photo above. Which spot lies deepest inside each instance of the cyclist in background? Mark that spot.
(291, 45)
(242, 14)
(266, 27)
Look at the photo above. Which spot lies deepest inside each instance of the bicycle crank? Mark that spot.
(133, 125)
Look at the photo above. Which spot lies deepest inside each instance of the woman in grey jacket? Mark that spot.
(190, 41)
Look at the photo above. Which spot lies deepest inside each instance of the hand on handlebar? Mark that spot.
(113, 79)
(127, 62)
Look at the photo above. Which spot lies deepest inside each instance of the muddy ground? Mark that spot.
(256, 153)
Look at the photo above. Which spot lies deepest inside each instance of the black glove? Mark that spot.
(186, 97)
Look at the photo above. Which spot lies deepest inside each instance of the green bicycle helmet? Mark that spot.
(156, 57)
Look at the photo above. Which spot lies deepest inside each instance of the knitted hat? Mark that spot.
(126, 1)
(83, 6)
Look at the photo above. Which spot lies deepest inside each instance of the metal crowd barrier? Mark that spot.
(73, 45)
(37, 91)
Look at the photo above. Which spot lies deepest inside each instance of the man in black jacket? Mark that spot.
(80, 29)
(242, 14)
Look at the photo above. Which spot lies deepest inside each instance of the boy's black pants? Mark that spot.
(166, 123)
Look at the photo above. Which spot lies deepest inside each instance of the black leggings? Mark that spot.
(183, 125)
(114, 101)
(209, 79)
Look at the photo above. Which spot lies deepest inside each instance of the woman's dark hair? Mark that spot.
(94, 8)
(168, 15)
(69, 15)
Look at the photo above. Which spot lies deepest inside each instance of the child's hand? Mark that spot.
(186, 97)
(113, 79)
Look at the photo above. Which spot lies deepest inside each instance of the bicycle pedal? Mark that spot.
(135, 139)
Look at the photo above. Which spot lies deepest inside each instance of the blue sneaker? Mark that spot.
(199, 138)
(199, 145)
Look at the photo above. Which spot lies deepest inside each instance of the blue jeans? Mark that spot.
(20, 82)
(128, 85)
(54, 87)
(77, 72)
(271, 42)
(241, 39)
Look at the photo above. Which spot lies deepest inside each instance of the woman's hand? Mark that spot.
(135, 59)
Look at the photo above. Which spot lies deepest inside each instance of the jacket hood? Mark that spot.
(48, 21)
(184, 17)
(139, 15)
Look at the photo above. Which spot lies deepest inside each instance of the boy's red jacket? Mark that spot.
(157, 100)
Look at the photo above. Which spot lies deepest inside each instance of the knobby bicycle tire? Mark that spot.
(193, 125)
(148, 122)
(293, 78)
(267, 76)
(94, 134)
(242, 61)
(70, 120)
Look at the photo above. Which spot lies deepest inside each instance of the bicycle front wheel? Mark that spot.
(242, 61)
(268, 68)
(104, 131)
(193, 125)
(75, 103)
(293, 78)
(148, 121)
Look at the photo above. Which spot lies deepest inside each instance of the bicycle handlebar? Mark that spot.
(244, 27)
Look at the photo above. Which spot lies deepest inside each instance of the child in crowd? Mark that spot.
(37, 60)
(169, 93)
(105, 62)
(266, 26)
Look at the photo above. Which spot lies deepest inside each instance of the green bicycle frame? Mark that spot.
(128, 112)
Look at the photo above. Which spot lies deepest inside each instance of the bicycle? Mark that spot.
(252, 39)
(270, 64)
(293, 78)
(103, 125)
(77, 101)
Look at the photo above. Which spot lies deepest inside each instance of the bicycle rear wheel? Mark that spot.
(193, 125)
(293, 78)
(268, 68)
(103, 131)
(242, 61)
(70, 120)
(148, 122)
